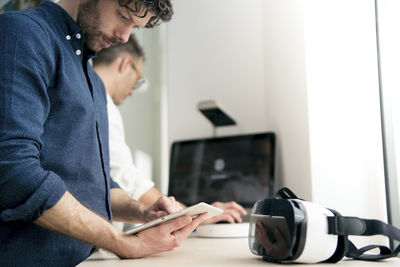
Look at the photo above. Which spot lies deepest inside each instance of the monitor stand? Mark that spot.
(223, 230)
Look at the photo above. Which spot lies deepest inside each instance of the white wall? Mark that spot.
(344, 112)
(389, 46)
(305, 69)
(215, 52)
(286, 92)
(343, 90)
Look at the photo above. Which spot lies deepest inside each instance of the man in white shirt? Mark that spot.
(120, 67)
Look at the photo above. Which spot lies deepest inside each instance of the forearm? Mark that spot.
(151, 196)
(71, 218)
(126, 209)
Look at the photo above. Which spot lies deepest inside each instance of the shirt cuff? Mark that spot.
(45, 197)
(114, 184)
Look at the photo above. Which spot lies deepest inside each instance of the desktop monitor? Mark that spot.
(235, 168)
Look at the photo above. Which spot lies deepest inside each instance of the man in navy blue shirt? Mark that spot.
(56, 195)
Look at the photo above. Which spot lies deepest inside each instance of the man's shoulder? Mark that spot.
(28, 28)
(24, 21)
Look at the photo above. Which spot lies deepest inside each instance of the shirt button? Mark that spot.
(78, 52)
(68, 37)
(78, 36)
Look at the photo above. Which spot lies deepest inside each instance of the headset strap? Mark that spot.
(286, 193)
(384, 252)
(344, 226)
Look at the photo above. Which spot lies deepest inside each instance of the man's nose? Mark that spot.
(122, 35)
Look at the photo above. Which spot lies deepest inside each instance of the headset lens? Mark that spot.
(272, 230)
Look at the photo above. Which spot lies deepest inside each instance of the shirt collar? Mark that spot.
(71, 30)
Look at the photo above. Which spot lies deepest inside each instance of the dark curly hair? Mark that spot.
(162, 10)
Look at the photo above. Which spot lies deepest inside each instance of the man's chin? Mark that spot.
(94, 46)
(97, 48)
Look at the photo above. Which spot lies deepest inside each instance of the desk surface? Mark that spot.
(221, 252)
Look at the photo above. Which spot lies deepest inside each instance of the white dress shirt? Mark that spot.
(123, 171)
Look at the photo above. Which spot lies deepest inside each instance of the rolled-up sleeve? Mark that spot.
(114, 184)
(26, 189)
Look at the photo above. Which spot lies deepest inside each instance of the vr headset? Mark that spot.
(288, 229)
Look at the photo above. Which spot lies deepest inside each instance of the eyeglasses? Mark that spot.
(140, 81)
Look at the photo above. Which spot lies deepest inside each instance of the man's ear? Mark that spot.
(125, 63)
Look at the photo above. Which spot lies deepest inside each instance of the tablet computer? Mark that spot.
(192, 211)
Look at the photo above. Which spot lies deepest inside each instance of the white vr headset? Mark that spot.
(288, 229)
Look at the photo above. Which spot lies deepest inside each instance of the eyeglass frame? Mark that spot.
(140, 81)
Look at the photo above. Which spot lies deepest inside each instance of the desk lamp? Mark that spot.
(215, 114)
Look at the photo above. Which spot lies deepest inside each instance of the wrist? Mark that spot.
(142, 211)
(108, 238)
(129, 247)
(136, 212)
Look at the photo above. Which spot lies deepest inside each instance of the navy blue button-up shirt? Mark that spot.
(53, 134)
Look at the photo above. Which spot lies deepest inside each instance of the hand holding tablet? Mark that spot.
(192, 211)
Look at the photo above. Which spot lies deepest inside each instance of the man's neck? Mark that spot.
(71, 7)
(104, 74)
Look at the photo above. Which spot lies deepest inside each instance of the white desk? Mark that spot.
(221, 252)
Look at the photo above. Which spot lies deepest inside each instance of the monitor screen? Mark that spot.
(236, 168)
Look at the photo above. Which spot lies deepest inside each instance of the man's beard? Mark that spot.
(88, 17)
